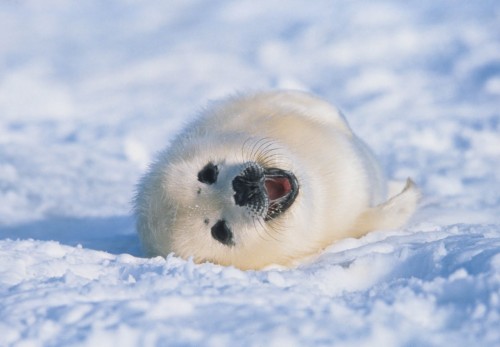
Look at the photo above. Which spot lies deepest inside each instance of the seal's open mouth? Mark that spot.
(282, 188)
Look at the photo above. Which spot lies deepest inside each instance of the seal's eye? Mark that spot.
(222, 233)
(208, 174)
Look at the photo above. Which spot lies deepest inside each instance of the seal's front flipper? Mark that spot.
(391, 214)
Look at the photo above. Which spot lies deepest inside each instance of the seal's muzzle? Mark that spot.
(267, 192)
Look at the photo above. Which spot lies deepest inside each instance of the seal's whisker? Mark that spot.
(267, 158)
(269, 152)
(243, 147)
(257, 229)
(264, 227)
(267, 144)
(271, 160)
(277, 229)
(256, 146)
(267, 236)
(264, 146)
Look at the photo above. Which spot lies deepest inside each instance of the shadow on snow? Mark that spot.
(115, 235)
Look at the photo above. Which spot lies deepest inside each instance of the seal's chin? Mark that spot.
(281, 188)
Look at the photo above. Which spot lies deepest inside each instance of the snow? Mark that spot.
(90, 91)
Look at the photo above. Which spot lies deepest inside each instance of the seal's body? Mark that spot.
(266, 178)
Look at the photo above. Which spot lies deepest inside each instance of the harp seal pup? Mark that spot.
(265, 178)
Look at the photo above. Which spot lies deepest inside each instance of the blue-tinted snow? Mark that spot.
(90, 90)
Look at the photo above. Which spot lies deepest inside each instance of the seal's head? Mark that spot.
(225, 201)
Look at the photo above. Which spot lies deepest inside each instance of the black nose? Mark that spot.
(248, 185)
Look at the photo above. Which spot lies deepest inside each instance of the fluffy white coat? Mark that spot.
(343, 192)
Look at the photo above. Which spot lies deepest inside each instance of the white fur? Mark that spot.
(343, 192)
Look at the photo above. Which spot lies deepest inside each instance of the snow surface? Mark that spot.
(90, 90)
